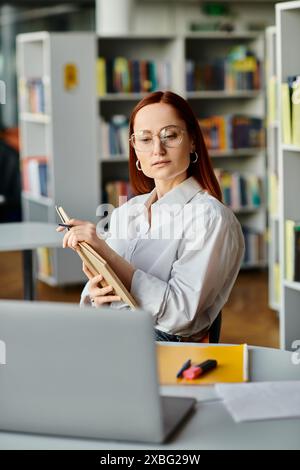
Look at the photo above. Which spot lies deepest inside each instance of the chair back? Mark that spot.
(215, 329)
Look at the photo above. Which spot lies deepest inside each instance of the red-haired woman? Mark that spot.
(175, 246)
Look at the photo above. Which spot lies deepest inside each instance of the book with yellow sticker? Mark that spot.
(232, 363)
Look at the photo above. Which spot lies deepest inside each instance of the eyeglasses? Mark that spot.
(169, 136)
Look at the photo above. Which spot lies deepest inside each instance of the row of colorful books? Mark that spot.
(121, 75)
(35, 176)
(292, 250)
(220, 133)
(240, 191)
(240, 70)
(114, 136)
(255, 251)
(32, 95)
(117, 192)
(290, 96)
(232, 132)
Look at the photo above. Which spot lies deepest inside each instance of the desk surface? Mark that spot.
(28, 236)
(210, 427)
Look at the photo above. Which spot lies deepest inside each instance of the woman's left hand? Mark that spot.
(81, 231)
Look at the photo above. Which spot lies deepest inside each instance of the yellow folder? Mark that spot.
(232, 363)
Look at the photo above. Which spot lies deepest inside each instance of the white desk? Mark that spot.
(26, 237)
(210, 427)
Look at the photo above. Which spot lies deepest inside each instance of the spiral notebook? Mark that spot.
(98, 265)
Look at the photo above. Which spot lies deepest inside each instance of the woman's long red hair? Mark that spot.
(202, 170)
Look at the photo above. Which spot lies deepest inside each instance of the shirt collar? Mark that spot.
(179, 196)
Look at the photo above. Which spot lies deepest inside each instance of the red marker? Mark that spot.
(195, 371)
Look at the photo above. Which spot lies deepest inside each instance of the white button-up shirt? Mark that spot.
(186, 248)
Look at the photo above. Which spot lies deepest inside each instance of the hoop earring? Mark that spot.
(196, 157)
(137, 165)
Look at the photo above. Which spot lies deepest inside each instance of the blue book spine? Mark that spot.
(43, 177)
(136, 79)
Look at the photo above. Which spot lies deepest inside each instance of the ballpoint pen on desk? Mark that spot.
(195, 371)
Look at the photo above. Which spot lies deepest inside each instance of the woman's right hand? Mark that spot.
(99, 295)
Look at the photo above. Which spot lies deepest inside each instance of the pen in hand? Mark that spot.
(65, 226)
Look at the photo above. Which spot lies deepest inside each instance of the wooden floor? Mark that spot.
(246, 316)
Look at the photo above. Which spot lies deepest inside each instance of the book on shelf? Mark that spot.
(296, 112)
(286, 114)
(297, 253)
(232, 363)
(290, 99)
(254, 246)
(35, 176)
(240, 190)
(232, 132)
(239, 70)
(101, 76)
(98, 265)
(32, 95)
(292, 250)
(45, 262)
(122, 75)
(117, 192)
(114, 136)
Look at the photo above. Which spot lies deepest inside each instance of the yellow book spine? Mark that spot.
(296, 114)
(101, 76)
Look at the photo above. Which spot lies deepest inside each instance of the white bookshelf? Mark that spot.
(288, 61)
(290, 148)
(272, 124)
(158, 48)
(177, 49)
(65, 133)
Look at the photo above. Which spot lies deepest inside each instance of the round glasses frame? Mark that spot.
(161, 138)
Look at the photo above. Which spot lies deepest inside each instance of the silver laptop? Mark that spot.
(83, 372)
